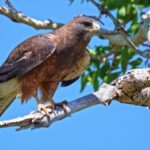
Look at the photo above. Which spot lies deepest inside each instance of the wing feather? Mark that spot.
(26, 56)
(68, 82)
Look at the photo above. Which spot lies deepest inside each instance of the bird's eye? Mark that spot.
(86, 24)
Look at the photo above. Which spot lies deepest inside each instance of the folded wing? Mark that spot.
(26, 56)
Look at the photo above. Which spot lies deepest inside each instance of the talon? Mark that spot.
(107, 102)
(63, 105)
(43, 108)
(50, 105)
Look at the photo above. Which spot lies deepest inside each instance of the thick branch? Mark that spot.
(37, 120)
(132, 88)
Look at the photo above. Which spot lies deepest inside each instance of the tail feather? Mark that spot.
(4, 104)
(8, 92)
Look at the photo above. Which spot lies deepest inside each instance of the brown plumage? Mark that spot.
(43, 61)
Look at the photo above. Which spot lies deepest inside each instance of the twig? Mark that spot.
(132, 88)
(114, 36)
(118, 37)
(12, 8)
(145, 53)
(120, 33)
(104, 10)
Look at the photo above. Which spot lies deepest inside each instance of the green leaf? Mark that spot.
(104, 69)
(136, 62)
(109, 78)
(124, 60)
(122, 11)
(131, 53)
(134, 27)
(95, 81)
(84, 82)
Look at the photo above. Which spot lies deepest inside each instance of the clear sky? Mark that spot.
(117, 127)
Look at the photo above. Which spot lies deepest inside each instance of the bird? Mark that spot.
(42, 62)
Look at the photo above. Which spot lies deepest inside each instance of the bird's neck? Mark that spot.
(71, 37)
(69, 33)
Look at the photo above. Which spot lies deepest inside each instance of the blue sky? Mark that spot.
(119, 126)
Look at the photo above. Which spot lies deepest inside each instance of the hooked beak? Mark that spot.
(95, 27)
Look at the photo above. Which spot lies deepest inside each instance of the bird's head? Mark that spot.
(85, 25)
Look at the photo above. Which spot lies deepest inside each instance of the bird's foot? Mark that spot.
(43, 108)
(63, 105)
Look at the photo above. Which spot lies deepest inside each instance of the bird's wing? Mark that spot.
(27, 55)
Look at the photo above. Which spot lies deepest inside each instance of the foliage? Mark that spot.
(110, 67)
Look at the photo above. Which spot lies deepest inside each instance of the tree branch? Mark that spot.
(120, 36)
(117, 37)
(132, 88)
(19, 17)
(11, 7)
(37, 119)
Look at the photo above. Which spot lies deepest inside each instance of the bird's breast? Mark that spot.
(78, 67)
(66, 63)
(72, 60)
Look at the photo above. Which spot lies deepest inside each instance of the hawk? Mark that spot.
(43, 61)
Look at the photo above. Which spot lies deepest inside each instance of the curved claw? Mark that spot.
(43, 108)
(63, 105)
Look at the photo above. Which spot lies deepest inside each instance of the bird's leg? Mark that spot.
(51, 105)
(37, 98)
(43, 107)
(63, 105)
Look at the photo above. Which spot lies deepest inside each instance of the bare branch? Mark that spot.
(21, 18)
(117, 37)
(132, 88)
(104, 10)
(120, 36)
(37, 120)
(12, 8)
